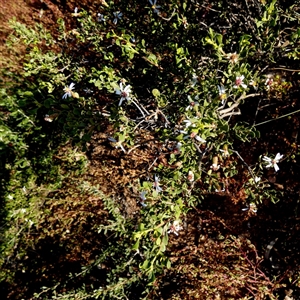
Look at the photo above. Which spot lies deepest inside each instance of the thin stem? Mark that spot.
(294, 112)
(249, 169)
(138, 108)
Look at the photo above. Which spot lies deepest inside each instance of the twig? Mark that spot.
(257, 109)
(145, 110)
(170, 17)
(167, 121)
(148, 117)
(138, 107)
(294, 112)
(26, 117)
(153, 163)
(229, 111)
(250, 171)
(284, 69)
(136, 146)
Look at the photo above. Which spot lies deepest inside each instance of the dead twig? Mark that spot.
(227, 112)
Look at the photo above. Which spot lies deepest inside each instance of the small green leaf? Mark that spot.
(145, 264)
(155, 93)
(141, 226)
(158, 241)
(162, 247)
(168, 264)
(136, 245)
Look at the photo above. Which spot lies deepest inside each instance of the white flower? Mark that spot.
(273, 162)
(190, 176)
(254, 84)
(175, 227)
(48, 119)
(194, 80)
(117, 144)
(192, 104)
(178, 147)
(156, 184)
(100, 18)
(143, 195)
(154, 6)
(118, 15)
(188, 123)
(225, 152)
(215, 167)
(222, 93)
(184, 132)
(233, 57)
(269, 81)
(193, 135)
(68, 91)
(123, 92)
(221, 89)
(239, 82)
(256, 179)
(252, 208)
(76, 14)
(199, 139)
(143, 198)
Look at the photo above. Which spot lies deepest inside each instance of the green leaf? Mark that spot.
(28, 94)
(164, 243)
(155, 93)
(141, 226)
(158, 241)
(136, 245)
(168, 264)
(145, 265)
(219, 38)
(152, 57)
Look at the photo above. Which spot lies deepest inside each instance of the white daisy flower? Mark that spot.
(190, 176)
(273, 162)
(100, 18)
(143, 198)
(118, 15)
(257, 179)
(154, 6)
(192, 103)
(117, 144)
(156, 184)
(175, 227)
(68, 91)
(239, 82)
(123, 92)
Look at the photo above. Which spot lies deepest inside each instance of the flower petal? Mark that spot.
(268, 159)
